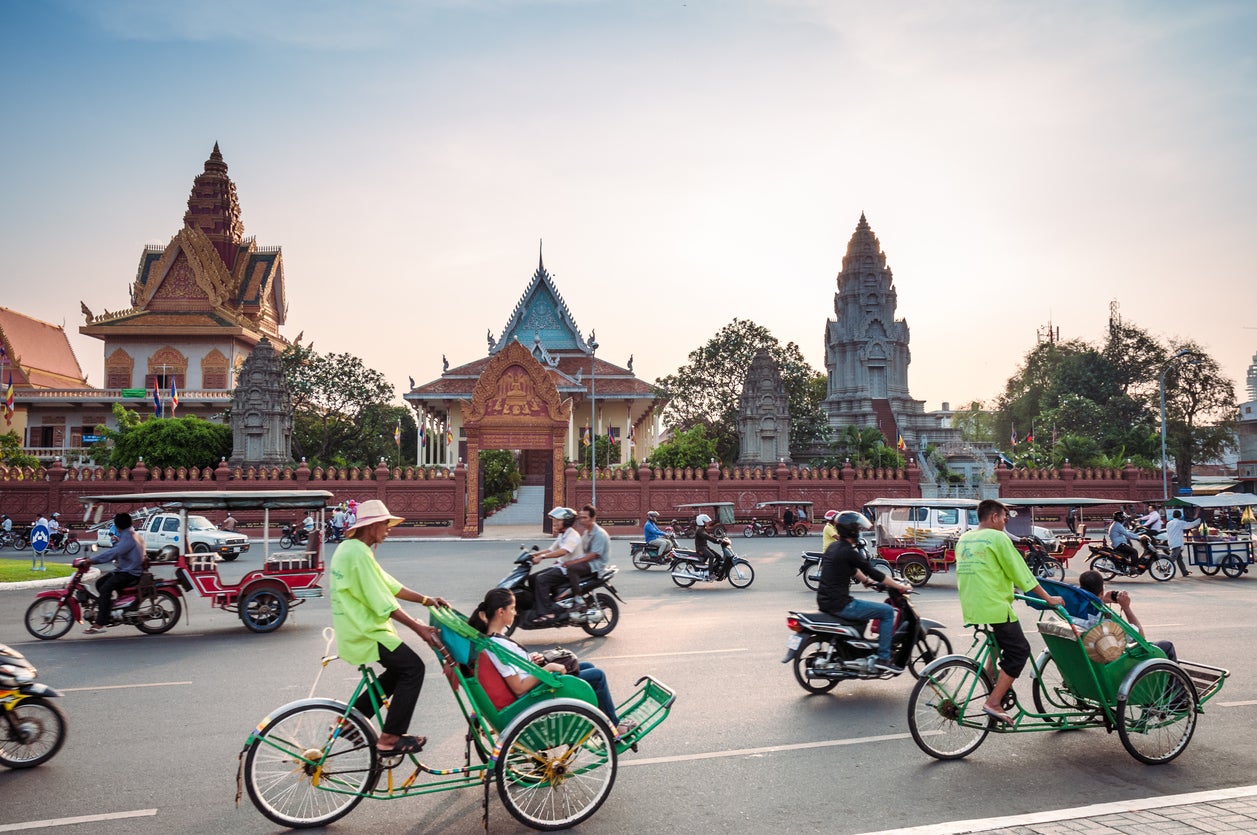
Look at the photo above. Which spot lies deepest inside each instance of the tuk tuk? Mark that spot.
(800, 519)
(720, 512)
(1061, 547)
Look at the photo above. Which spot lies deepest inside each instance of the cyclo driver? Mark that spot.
(840, 563)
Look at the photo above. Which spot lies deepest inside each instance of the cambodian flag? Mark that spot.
(423, 440)
(156, 401)
(610, 435)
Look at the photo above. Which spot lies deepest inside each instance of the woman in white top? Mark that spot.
(497, 612)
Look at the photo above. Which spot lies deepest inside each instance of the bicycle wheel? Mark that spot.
(1049, 692)
(741, 574)
(945, 709)
(817, 651)
(1105, 566)
(36, 735)
(1161, 569)
(933, 644)
(1050, 569)
(556, 766)
(1158, 718)
(49, 618)
(686, 581)
(297, 775)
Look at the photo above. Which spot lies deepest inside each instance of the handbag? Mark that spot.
(558, 655)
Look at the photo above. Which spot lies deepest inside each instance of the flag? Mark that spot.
(449, 437)
(156, 400)
(1014, 431)
(631, 434)
(174, 397)
(8, 401)
(584, 436)
(1030, 437)
(901, 446)
(423, 440)
(611, 435)
(397, 433)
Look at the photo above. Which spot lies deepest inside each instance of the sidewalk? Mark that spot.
(1221, 811)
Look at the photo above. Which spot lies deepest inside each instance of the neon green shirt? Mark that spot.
(987, 568)
(363, 598)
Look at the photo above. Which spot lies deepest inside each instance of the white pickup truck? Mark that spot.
(162, 529)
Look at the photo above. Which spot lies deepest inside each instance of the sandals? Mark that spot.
(93, 630)
(547, 618)
(997, 714)
(404, 745)
(625, 728)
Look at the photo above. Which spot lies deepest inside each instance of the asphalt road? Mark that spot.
(157, 722)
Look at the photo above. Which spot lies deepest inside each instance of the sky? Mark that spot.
(685, 163)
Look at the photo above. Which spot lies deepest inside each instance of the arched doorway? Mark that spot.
(514, 406)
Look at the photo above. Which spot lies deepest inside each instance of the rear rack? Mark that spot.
(1208, 680)
(648, 707)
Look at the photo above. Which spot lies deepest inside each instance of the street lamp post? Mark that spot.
(593, 421)
(1165, 477)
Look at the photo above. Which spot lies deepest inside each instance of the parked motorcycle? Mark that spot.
(32, 729)
(1111, 562)
(1042, 563)
(152, 606)
(827, 649)
(644, 555)
(688, 567)
(291, 535)
(594, 611)
(810, 569)
(760, 527)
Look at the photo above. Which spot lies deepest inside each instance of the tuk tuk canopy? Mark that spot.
(723, 510)
(1216, 500)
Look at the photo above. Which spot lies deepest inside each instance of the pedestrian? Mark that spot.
(1174, 530)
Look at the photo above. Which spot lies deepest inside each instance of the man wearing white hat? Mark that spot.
(364, 606)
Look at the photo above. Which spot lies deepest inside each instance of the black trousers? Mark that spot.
(402, 681)
(576, 573)
(106, 587)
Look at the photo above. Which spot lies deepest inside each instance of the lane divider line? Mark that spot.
(669, 654)
(138, 813)
(768, 749)
(122, 687)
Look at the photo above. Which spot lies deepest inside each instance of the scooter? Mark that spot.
(291, 535)
(1110, 562)
(32, 729)
(810, 569)
(688, 567)
(593, 610)
(151, 606)
(827, 649)
(644, 555)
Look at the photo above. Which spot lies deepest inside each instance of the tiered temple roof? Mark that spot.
(39, 354)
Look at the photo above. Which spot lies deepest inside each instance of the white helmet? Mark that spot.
(702, 520)
(653, 514)
(563, 514)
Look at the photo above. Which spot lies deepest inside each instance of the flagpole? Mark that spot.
(593, 422)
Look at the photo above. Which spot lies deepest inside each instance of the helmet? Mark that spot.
(850, 523)
(831, 515)
(1118, 516)
(56, 515)
(563, 514)
(653, 514)
(702, 520)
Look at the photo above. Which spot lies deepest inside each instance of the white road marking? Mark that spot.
(669, 654)
(123, 687)
(768, 749)
(1238, 704)
(138, 813)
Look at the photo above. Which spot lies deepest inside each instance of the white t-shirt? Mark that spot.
(569, 541)
(504, 668)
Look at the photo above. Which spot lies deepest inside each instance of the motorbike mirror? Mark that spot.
(536, 547)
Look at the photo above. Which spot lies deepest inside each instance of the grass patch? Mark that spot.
(17, 571)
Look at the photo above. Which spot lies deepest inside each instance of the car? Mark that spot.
(162, 529)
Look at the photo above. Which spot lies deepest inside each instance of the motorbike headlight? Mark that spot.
(19, 675)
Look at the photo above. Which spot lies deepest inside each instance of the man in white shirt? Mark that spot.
(566, 547)
(1174, 538)
(338, 523)
(54, 531)
(1151, 520)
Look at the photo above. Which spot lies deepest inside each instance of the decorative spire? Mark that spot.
(541, 263)
(214, 209)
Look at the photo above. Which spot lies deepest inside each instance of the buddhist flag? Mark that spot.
(584, 436)
(397, 433)
(156, 400)
(8, 401)
(901, 446)
(174, 397)
(449, 437)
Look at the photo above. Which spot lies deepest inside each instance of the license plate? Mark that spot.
(794, 642)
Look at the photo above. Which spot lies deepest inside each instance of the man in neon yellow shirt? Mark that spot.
(364, 606)
(987, 569)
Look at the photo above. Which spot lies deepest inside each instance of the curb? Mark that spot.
(51, 582)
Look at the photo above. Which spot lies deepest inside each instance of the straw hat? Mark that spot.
(1104, 643)
(372, 511)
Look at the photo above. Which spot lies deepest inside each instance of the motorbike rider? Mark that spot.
(54, 530)
(842, 561)
(6, 523)
(1120, 538)
(595, 545)
(654, 535)
(229, 524)
(703, 541)
(829, 533)
(128, 558)
(1151, 520)
(307, 524)
(567, 546)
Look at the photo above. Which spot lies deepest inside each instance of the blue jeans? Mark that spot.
(883, 613)
(597, 679)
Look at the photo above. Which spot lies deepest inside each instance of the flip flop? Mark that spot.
(94, 630)
(405, 745)
(997, 714)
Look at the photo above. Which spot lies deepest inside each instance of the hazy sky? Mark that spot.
(685, 163)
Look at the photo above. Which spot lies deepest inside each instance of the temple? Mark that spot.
(763, 415)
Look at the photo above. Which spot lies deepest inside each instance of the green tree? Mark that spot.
(705, 390)
(334, 396)
(1200, 410)
(501, 477)
(687, 448)
(975, 422)
(11, 454)
(165, 442)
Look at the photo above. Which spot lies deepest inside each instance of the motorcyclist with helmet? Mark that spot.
(829, 534)
(566, 547)
(1120, 538)
(703, 541)
(843, 560)
(654, 535)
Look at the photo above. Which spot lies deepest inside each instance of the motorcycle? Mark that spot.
(1041, 563)
(32, 729)
(593, 611)
(151, 606)
(331, 533)
(64, 542)
(810, 568)
(291, 535)
(760, 527)
(688, 567)
(827, 649)
(644, 555)
(1111, 562)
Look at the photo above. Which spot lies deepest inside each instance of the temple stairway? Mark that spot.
(528, 510)
(886, 422)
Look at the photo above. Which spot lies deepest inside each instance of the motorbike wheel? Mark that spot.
(20, 543)
(1157, 720)
(748, 532)
(263, 610)
(285, 542)
(945, 709)
(1233, 566)
(610, 616)
(741, 574)
(814, 649)
(48, 618)
(36, 735)
(1104, 565)
(770, 531)
(160, 614)
(683, 582)
(1050, 569)
(933, 644)
(639, 560)
(812, 576)
(1161, 569)
(297, 776)
(915, 570)
(73, 547)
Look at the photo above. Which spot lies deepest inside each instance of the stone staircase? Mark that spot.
(886, 422)
(527, 510)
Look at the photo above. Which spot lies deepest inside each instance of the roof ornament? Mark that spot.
(579, 372)
(445, 364)
(412, 383)
(630, 364)
(87, 313)
(488, 334)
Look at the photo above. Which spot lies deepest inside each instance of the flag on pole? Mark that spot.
(1030, 437)
(156, 400)
(584, 436)
(174, 397)
(1013, 429)
(397, 433)
(8, 401)
(631, 433)
(449, 436)
(611, 435)
(423, 440)
(901, 446)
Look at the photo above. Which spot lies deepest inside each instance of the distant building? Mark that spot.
(1246, 429)
(38, 360)
(763, 415)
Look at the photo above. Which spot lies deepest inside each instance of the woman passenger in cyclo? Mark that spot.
(654, 535)
(703, 541)
(364, 607)
(497, 612)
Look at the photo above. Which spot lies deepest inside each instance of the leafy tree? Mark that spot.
(975, 422)
(705, 391)
(337, 403)
(165, 442)
(377, 423)
(11, 454)
(604, 452)
(501, 477)
(1138, 357)
(687, 448)
(1199, 408)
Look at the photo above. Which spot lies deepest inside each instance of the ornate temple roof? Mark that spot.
(541, 318)
(39, 354)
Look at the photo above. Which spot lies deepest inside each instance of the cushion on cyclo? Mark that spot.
(459, 647)
(491, 681)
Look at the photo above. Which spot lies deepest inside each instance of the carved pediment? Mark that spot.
(515, 385)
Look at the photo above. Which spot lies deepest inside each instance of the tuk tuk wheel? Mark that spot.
(557, 766)
(915, 570)
(1158, 718)
(264, 610)
(719, 531)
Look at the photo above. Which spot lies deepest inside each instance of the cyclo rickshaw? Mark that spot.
(551, 751)
(1104, 675)
(261, 598)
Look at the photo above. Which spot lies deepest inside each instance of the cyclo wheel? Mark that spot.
(945, 709)
(933, 644)
(741, 574)
(816, 648)
(39, 734)
(1158, 717)
(298, 776)
(683, 582)
(1104, 565)
(557, 766)
(1049, 691)
(1161, 569)
(49, 618)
